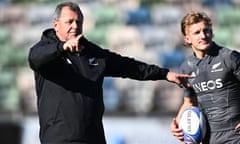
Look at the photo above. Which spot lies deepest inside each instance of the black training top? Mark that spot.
(216, 85)
(69, 88)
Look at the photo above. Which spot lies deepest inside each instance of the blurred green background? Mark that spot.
(147, 30)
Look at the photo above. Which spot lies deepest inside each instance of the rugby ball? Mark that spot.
(193, 125)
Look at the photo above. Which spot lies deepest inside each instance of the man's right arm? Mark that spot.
(174, 127)
(43, 53)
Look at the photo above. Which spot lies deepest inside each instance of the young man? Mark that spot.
(215, 86)
(69, 72)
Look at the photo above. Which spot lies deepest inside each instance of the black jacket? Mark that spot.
(69, 88)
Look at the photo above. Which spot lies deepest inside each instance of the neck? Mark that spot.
(200, 54)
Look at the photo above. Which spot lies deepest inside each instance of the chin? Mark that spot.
(206, 46)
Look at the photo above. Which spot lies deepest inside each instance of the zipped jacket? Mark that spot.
(69, 87)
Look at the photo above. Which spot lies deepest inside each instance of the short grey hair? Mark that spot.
(73, 6)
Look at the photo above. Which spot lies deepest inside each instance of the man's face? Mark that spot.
(199, 36)
(69, 24)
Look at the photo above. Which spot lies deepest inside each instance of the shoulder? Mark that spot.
(229, 54)
(49, 35)
(235, 55)
(223, 51)
(188, 64)
(231, 57)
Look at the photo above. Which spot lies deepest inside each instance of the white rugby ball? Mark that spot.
(193, 125)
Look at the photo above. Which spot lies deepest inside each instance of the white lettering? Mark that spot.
(189, 121)
(204, 86)
(211, 84)
(208, 85)
(197, 87)
(219, 83)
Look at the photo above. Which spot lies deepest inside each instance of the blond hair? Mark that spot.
(194, 17)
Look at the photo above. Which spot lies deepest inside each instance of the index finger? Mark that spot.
(79, 36)
(238, 126)
(183, 80)
(184, 76)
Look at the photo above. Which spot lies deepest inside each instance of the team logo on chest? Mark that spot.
(92, 61)
(216, 67)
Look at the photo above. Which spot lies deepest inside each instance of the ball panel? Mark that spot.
(192, 123)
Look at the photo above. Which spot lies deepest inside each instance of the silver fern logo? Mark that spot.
(216, 67)
(92, 61)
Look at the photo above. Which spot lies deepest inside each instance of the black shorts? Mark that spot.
(225, 137)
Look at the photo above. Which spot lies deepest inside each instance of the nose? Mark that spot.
(74, 24)
(203, 34)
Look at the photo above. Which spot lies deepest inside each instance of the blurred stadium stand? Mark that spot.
(149, 32)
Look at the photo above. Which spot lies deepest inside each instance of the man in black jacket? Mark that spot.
(69, 72)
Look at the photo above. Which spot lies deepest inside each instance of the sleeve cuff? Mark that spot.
(164, 72)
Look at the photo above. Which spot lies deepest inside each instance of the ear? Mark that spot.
(55, 25)
(187, 40)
